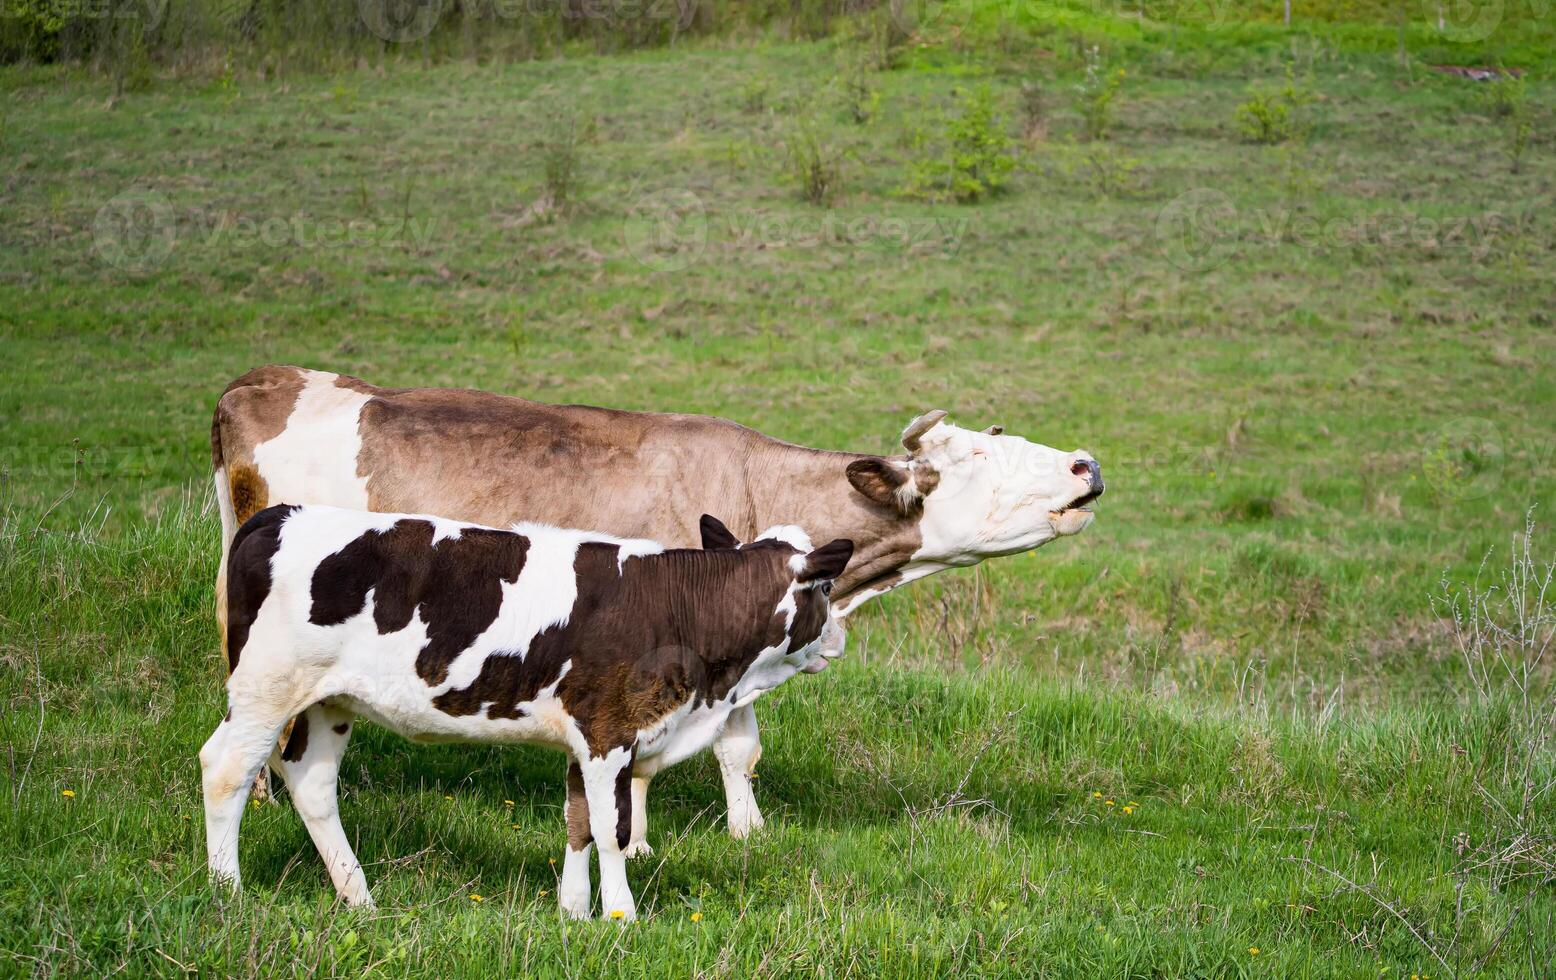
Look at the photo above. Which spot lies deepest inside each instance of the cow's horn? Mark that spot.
(919, 426)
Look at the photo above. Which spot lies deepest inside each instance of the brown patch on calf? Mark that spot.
(578, 833)
(456, 585)
(634, 658)
(297, 742)
(624, 804)
(248, 575)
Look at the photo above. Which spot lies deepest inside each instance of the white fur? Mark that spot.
(315, 456)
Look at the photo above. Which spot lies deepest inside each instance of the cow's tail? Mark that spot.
(229, 518)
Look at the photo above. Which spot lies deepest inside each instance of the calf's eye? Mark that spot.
(826, 588)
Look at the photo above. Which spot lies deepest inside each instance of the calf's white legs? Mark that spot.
(229, 761)
(738, 747)
(607, 790)
(310, 761)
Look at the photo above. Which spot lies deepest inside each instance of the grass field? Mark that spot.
(1317, 374)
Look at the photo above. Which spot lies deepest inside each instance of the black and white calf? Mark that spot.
(624, 655)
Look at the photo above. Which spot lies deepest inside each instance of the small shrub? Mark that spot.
(754, 95)
(861, 99)
(560, 159)
(1098, 90)
(883, 34)
(1034, 110)
(1105, 169)
(1507, 99)
(812, 165)
(1273, 116)
(974, 158)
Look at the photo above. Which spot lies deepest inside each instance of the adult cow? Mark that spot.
(290, 435)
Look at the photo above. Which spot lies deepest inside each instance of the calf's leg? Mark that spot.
(607, 782)
(738, 747)
(310, 761)
(229, 760)
(576, 893)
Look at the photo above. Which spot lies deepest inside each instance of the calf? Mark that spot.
(626, 656)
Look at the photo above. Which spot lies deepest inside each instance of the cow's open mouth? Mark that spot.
(1079, 503)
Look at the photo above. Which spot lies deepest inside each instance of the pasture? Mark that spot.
(1221, 733)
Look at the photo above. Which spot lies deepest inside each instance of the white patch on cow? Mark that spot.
(315, 457)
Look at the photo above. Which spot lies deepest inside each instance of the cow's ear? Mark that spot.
(828, 561)
(715, 536)
(994, 430)
(884, 482)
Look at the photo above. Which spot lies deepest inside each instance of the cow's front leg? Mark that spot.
(607, 784)
(738, 747)
(638, 845)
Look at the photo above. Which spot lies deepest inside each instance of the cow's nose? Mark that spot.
(1089, 469)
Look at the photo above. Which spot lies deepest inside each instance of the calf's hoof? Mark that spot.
(638, 849)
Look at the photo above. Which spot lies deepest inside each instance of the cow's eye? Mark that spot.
(826, 588)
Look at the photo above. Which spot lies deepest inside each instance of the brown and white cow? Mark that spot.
(957, 496)
(624, 655)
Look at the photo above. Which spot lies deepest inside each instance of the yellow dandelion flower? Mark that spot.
(476, 898)
(548, 860)
(507, 803)
(618, 914)
(448, 797)
(516, 827)
(1128, 810)
(1096, 796)
(1109, 802)
(68, 792)
(544, 893)
(1133, 803)
(696, 916)
(1253, 951)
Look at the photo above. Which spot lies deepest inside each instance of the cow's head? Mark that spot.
(812, 631)
(978, 495)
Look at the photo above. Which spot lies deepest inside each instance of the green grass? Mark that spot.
(1302, 428)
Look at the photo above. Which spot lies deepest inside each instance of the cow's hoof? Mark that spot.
(745, 828)
(574, 907)
(638, 849)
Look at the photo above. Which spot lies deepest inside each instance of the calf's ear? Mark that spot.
(885, 483)
(827, 561)
(715, 536)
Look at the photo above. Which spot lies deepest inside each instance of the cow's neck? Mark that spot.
(810, 487)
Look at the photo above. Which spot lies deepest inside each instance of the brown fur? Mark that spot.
(297, 741)
(578, 834)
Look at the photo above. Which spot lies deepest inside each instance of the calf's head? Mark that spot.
(982, 494)
(813, 633)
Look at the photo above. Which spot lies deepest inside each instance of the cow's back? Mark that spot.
(291, 435)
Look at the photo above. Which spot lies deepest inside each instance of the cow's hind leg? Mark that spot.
(576, 893)
(229, 760)
(607, 782)
(310, 761)
(638, 845)
(738, 747)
